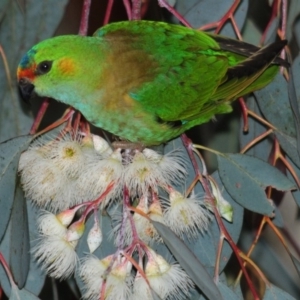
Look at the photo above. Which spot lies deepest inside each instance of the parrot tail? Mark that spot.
(245, 49)
(259, 60)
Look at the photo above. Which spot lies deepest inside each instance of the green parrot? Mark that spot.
(147, 82)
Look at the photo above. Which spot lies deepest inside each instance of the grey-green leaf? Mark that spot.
(295, 193)
(274, 103)
(245, 178)
(294, 101)
(36, 277)
(274, 293)
(10, 152)
(23, 24)
(20, 257)
(227, 293)
(189, 262)
(23, 294)
(289, 145)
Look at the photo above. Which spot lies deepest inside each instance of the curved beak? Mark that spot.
(26, 88)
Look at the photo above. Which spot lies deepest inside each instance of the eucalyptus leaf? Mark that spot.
(245, 178)
(10, 152)
(21, 28)
(296, 263)
(278, 220)
(289, 145)
(227, 293)
(189, 262)
(36, 277)
(20, 257)
(293, 17)
(3, 7)
(274, 103)
(294, 102)
(274, 293)
(23, 294)
(295, 193)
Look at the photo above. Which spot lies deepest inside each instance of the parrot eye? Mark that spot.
(44, 67)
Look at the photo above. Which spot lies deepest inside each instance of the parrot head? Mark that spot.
(53, 69)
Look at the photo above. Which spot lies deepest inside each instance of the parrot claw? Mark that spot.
(128, 145)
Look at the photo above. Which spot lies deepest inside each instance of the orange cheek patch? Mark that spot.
(66, 66)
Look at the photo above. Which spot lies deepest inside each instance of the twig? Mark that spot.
(84, 23)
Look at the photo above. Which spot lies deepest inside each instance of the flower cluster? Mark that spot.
(186, 216)
(74, 175)
(61, 173)
(112, 278)
(65, 172)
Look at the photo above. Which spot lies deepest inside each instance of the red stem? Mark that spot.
(273, 16)
(128, 8)
(228, 15)
(284, 7)
(188, 145)
(221, 225)
(166, 5)
(136, 9)
(108, 11)
(6, 268)
(244, 114)
(94, 204)
(66, 117)
(39, 117)
(84, 23)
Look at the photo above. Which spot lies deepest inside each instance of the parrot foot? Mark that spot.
(128, 145)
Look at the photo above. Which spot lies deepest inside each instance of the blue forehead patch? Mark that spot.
(26, 58)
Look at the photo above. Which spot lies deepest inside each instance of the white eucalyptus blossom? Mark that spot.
(167, 280)
(118, 279)
(57, 255)
(150, 169)
(170, 165)
(44, 184)
(186, 215)
(141, 289)
(140, 174)
(68, 156)
(98, 175)
(50, 225)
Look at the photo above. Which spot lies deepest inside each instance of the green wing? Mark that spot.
(184, 77)
(183, 74)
